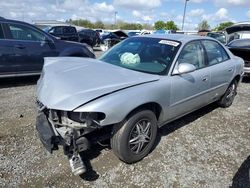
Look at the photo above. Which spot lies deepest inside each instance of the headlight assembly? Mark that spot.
(88, 118)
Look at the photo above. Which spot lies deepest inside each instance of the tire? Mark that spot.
(126, 142)
(228, 98)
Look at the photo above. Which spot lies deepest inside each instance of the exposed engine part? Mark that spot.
(76, 164)
(82, 144)
(75, 160)
(103, 145)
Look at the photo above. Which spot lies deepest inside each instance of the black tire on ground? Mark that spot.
(228, 98)
(133, 139)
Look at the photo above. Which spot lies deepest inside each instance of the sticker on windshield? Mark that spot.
(169, 42)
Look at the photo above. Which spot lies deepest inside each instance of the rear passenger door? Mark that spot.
(221, 67)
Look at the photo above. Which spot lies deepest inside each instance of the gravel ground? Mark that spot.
(208, 148)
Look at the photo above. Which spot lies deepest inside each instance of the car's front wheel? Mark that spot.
(228, 98)
(133, 139)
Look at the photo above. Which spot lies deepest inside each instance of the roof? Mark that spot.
(177, 37)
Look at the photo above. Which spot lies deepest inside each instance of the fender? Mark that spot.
(116, 106)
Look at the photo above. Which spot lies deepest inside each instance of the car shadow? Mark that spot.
(246, 79)
(87, 156)
(183, 121)
(242, 177)
(18, 81)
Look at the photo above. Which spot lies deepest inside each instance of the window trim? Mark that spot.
(206, 54)
(1, 27)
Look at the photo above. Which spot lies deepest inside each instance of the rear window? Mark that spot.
(69, 30)
(1, 32)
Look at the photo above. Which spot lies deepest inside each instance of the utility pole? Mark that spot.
(184, 14)
(115, 17)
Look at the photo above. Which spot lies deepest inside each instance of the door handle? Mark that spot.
(19, 46)
(205, 79)
(230, 70)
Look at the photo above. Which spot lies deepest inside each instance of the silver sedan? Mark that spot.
(137, 86)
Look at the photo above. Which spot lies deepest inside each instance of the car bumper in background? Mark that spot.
(246, 71)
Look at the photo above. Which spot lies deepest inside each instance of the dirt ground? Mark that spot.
(208, 148)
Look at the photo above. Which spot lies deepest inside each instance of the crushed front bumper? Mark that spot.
(46, 133)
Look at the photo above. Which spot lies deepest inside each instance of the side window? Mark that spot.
(56, 30)
(69, 30)
(20, 32)
(1, 32)
(215, 52)
(192, 53)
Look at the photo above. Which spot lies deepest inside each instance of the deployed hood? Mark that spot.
(238, 27)
(68, 82)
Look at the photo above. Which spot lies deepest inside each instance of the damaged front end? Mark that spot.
(72, 130)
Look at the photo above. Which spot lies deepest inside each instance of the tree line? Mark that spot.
(169, 25)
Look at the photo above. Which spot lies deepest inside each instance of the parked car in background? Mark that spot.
(162, 31)
(110, 39)
(68, 33)
(238, 42)
(241, 48)
(146, 82)
(102, 31)
(238, 31)
(133, 33)
(24, 46)
(220, 36)
(89, 36)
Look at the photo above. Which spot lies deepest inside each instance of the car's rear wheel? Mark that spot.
(133, 139)
(228, 98)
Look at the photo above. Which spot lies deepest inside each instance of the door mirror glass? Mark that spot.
(184, 68)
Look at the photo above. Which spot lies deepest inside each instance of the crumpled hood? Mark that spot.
(68, 82)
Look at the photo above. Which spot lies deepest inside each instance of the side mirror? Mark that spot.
(47, 41)
(184, 68)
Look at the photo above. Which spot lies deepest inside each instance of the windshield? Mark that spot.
(46, 29)
(149, 55)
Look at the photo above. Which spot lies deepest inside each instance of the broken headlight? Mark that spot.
(86, 117)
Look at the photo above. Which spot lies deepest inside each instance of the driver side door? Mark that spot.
(189, 90)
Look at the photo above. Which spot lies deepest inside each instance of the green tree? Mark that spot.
(147, 26)
(99, 25)
(170, 25)
(80, 22)
(203, 25)
(223, 25)
(159, 25)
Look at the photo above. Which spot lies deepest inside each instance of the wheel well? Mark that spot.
(154, 107)
(237, 78)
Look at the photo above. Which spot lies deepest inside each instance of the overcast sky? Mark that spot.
(138, 11)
